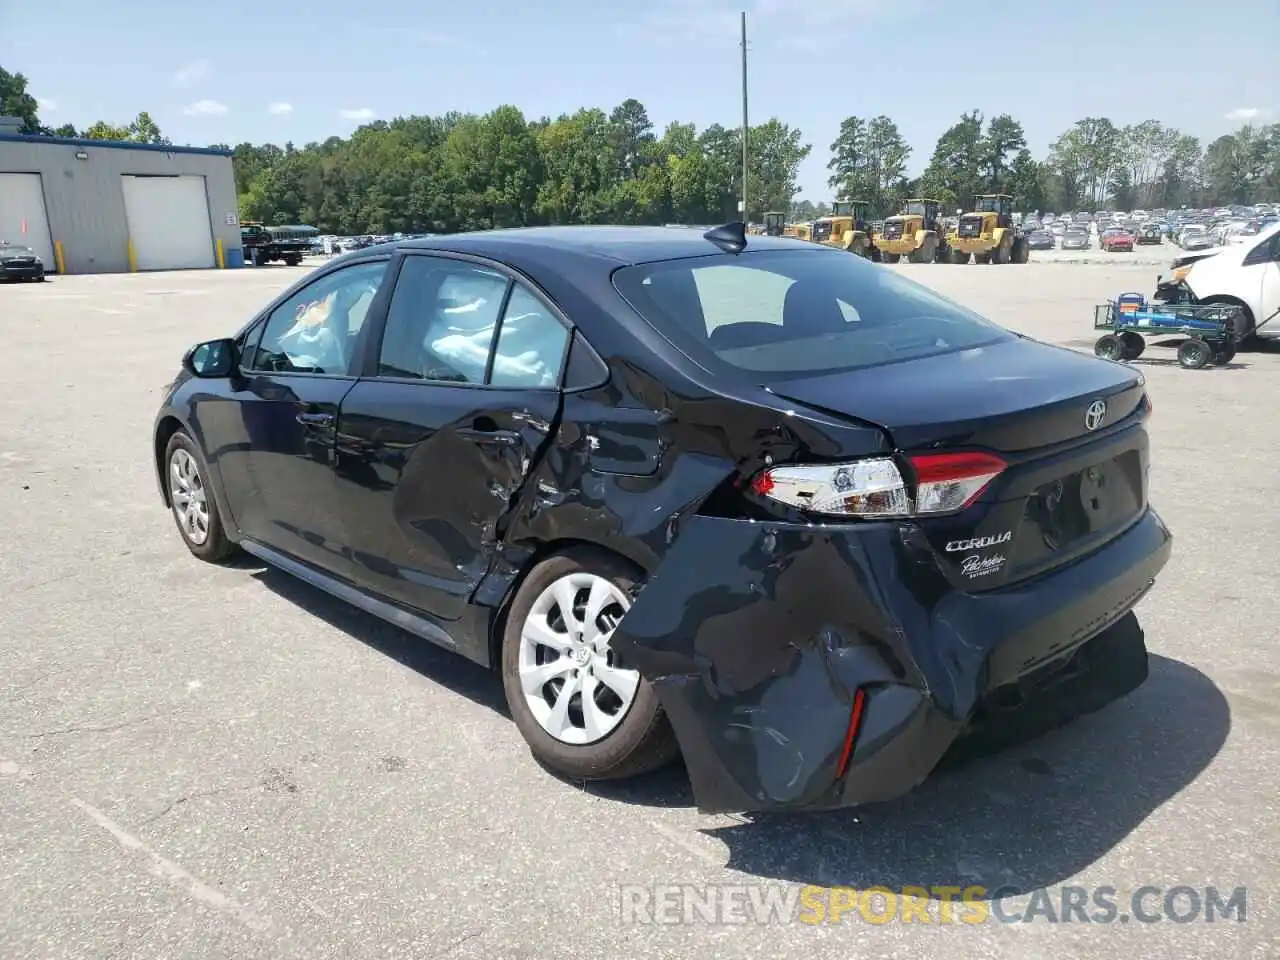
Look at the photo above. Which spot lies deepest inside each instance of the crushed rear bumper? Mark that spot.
(757, 636)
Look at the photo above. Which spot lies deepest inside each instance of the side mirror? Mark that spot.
(211, 359)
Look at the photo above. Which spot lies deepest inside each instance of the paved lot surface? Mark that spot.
(220, 762)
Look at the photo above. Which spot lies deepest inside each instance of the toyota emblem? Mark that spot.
(1094, 416)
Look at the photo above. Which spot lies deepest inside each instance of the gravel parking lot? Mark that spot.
(221, 762)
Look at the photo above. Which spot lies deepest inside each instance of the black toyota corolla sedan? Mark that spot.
(763, 504)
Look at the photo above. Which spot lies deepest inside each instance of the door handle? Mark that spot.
(316, 419)
(492, 438)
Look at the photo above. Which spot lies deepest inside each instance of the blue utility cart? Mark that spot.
(1210, 329)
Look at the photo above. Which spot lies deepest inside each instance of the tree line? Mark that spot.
(465, 171)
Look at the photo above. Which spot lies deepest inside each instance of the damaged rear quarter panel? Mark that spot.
(756, 637)
(751, 632)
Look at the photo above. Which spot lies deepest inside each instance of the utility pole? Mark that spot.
(745, 127)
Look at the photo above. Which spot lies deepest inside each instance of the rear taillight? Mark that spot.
(876, 488)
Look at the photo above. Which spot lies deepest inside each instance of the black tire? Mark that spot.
(216, 546)
(1109, 347)
(1224, 354)
(1021, 250)
(926, 252)
(1244, 329)
(1194, 354)
(1133, 344)
(641, 741)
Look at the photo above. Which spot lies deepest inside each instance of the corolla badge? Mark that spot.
(979, 543)
(1094, 416)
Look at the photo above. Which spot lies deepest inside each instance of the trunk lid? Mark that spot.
(1072, 481)
(1015, 395)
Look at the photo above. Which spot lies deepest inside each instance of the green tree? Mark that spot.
(1025, 183)
(955, 171)
(776, 152)
(1004, 139)
(1085, 156)
(15, 101)
(142, 129)
(850, 163)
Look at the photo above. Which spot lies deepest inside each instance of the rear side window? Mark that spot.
(780, 314)
(441, 321)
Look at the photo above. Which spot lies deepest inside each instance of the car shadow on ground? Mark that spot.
(1027, 817)
(449, 669)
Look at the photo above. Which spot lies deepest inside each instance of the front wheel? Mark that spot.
(1194, 354)
(1109, 347)
(1132, 344)
(585, 712)
(195, 511)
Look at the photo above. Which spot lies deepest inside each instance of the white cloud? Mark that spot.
(280, 108)
(360, 113)
(205, 108)
(193, 72)
(1244, 113)
(46, 105)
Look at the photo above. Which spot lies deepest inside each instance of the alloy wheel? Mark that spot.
(573, 682)
(189, 496)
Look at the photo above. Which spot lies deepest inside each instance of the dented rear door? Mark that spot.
(427, 476)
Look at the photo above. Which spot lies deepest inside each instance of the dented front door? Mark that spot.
(427, 473)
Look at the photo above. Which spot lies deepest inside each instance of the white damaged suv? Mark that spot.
(1244, 274)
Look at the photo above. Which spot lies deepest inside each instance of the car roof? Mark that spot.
(583, 245)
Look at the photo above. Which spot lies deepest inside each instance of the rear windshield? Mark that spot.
(780, 314)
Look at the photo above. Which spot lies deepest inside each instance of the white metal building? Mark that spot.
(92, 206)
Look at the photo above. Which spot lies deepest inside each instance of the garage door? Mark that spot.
(22, 215)
(168, 222)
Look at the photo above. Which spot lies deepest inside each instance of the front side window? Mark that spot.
(315, 330)
(780, 314)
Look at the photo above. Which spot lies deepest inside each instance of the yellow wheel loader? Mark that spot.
(916, 233)
(775, 224)
(987, 233)
(845, 228)
(801, 231)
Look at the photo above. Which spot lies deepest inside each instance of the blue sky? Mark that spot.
(303, 70)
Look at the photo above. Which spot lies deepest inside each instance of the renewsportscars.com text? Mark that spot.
(971, 905)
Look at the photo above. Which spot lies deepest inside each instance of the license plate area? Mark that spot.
(1068, 512)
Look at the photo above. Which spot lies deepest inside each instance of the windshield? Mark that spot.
(777, 315)
(13, 250)
(989, 204)
(914, 210)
